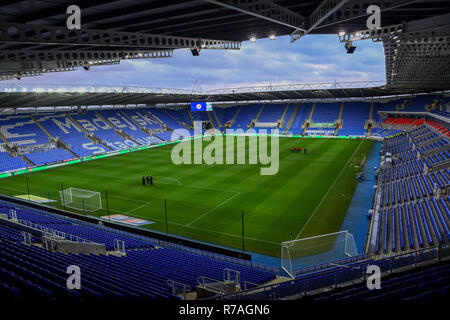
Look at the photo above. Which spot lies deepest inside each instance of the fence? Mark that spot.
(158, 242)
(334, 275)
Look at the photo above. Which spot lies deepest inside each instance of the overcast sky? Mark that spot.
(314, 58)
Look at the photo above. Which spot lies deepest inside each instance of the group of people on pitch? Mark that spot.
(298, 150)
(148, 179)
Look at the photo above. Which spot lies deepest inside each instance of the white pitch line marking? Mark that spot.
(203, 229)
(326, 194)
(137, 208)
(211, 210)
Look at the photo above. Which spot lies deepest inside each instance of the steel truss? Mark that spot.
(51, 35)
(91, 55)
(417, 53)
(265, 9)
(18, 63)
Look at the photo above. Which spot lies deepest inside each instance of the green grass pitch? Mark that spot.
(309, 196)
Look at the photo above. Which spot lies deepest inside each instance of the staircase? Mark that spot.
(180, 123)
(11, 153)
(291, 119)
(119, 132)
(52, 138)
(309, 118)
(88, 135)
(211, 120)
(369, 127)
(339, 119)
(256, 119)
(6, 147)
(234, 117)
(26, 160)
(145, 130)
(217, 119)
(191, 117)
(42, 128)
(284, 113)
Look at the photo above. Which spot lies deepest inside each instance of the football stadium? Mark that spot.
(319, 191)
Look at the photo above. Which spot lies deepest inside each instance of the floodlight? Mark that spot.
(253, 39)
(271, 37)
(349, 47)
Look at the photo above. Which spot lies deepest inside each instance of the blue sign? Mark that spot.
(201, 106)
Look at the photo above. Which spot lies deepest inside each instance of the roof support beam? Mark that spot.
(265, 9)
(50, 35)
(91, 55)
(325, 9)
(357, 9)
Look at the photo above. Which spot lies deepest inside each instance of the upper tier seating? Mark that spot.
(121, 121)
(92, 123)
(22, 130)
(60, 126)
(354, 116)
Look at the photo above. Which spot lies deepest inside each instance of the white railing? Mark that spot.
(72, 88)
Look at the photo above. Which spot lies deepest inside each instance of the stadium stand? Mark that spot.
(30, 271)
(93, 124)
(62, 127)
(413, 213)
(422, 284)
(106, 130)
(354, 115)
(8, 163)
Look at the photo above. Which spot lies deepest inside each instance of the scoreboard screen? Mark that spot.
(201, 106)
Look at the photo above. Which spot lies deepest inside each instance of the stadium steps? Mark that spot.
(191, 117)
(145, 130)
(88, 135)
(369, 128)
(235, 115)
(339, 119)
(257, 117)
(175, 119)
(6, 147)
(291, 119)
(310, 117)
(26, 160)
(211, 119)
(284, 113)
(217, 119)
(152, 116)
(122, 134)
(52, 137)
(42, 127)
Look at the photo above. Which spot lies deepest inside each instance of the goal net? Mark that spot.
(79, 199)
(302, 253)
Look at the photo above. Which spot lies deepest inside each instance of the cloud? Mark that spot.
(314, 58)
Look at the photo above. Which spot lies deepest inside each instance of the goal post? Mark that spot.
(80, 199)
(302, 253)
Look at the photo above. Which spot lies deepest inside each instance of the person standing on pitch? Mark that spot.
(143, 181)
(148, 179)
(304, 151)
(151, 180)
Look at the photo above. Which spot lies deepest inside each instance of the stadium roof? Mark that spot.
(34, 38)
(15, 95)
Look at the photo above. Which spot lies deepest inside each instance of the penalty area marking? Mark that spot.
(326, 194)
(211, 210)
(137, 208)
(202, 229)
